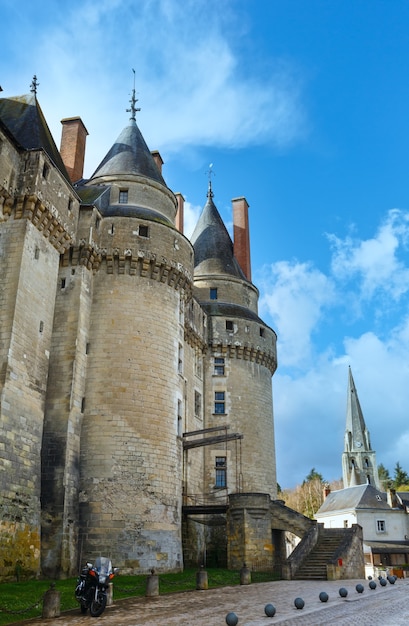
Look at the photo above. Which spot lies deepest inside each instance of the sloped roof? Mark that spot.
(227, 309)
(359, 497)
(403, 496)
(129, 155)
(212, 244)
(23, 117)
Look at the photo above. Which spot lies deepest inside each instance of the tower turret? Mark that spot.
(240, 362)
(358, 459)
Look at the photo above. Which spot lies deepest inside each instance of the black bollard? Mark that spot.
(245, 575)
(51, 602)
(152, 585)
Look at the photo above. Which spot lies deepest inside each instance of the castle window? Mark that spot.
(112, 230)
(180, 359)
(46, 170)
(87, 347)
(37, 253)
(219, 403)
(70, 204)
(198, 404)
(221, 472)
(380, 526)
(63, 283)
(41, 327)
(213, 293)
(82, 405)
(229, 326)
(261, 332)
(143, 231)
(123, 196)
(180, 422)
(198, 363)
(345, 523)
(219, 366)
(97, 223)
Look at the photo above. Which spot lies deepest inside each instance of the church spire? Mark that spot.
(358, 459)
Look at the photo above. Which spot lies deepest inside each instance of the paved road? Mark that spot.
(384, 606)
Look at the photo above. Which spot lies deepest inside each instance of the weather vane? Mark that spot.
(210, 173)
(34, 85)
(133, 101)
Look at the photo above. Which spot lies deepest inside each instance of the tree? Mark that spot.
(400, 476)
(307, 497)
(384, 477)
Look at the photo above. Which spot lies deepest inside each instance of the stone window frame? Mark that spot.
(220, 403)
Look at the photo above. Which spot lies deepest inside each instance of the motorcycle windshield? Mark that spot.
(103, 565)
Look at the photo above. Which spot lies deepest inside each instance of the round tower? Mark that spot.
(131, 451)
(240, 362)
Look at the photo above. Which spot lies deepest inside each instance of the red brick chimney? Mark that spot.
(180, 212)
(158, 159)
(73, 139)
(241, 235)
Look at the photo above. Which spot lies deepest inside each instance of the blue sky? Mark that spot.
(301, 106)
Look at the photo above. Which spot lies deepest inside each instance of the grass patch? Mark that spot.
(23, 600)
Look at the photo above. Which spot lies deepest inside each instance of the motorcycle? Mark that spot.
(92, 585)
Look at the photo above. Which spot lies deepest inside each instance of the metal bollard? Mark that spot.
(51, 602)
(245, 575)
(201, 579)
(152, 585)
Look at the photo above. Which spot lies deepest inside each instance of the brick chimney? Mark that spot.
(73, 139)
(180, 212)
(326, 490)
(241, 235)
(158, 159)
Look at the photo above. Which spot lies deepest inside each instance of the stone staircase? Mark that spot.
(314, 566)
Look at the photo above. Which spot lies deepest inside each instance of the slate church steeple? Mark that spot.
(358, 459)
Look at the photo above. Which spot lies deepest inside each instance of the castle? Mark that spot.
(135, 373)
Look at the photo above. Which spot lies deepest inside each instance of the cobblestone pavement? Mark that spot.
(384, 606)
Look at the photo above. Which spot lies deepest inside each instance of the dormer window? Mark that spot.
(123, 196)
(213, 293)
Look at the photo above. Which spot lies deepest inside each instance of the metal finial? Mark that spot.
(34, 85)
(210, 173)
(133, 102)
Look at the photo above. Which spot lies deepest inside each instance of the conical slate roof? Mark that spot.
(212, 244)
(129, 155)
(24, 119)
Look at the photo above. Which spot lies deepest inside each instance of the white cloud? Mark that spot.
(375, 262)
(295, 296)
(191, 82)
(310, 385)
(191, 216)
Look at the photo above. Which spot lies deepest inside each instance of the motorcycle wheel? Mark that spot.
(98, 605)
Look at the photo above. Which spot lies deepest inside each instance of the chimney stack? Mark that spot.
(180, 212)
(326, 490)
(241, 235)
(73, 139)
(158, 160)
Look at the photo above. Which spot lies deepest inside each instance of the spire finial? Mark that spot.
(210, 173)
(34, 85)
(133, 102)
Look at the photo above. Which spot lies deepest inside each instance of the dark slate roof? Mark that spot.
(360, 497)
(129, 155)
(23, 117)
(212, 244)
(230, 310)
